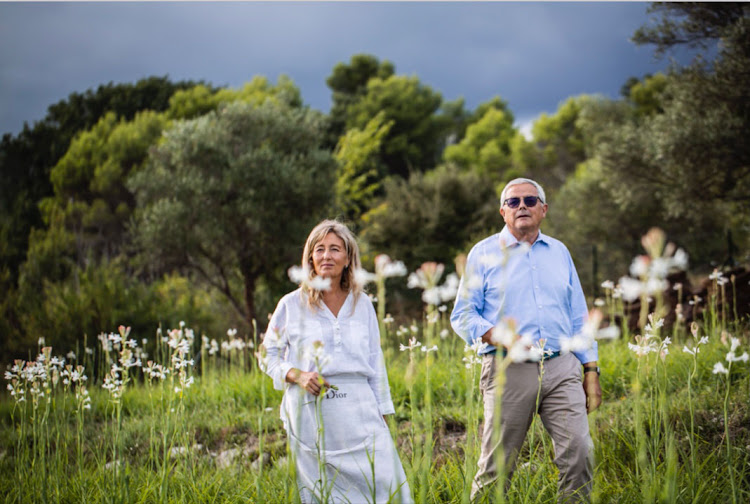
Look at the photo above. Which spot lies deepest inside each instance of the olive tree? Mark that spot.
(231, 196)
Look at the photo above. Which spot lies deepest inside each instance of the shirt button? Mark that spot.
(540, 307)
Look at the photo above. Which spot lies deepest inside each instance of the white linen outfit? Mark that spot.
(355, 445)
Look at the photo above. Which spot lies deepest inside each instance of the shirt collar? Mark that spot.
(510, 241)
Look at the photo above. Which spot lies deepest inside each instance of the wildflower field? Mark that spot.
(179, 417)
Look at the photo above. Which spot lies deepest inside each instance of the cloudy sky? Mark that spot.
(534, 55)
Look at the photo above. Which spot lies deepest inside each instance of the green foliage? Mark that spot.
(647, 96)
(486, 146)
(27, 159)
(695, 24)
(558, 145)
(199, 100)
(414, 142)
(432, 216)
(228, 418)
(89, 181)
(231, 196)
(348, 83)
(357, 180)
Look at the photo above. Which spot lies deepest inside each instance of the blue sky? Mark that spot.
(534, 55)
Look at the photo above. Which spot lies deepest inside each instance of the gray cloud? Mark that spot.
(533, 55)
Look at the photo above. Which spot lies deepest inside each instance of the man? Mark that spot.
(529, 277)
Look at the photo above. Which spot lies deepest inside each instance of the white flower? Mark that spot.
(521, 351)
(644, 345)
(742, 358)
(385, 268)
(719, 368)
(639, 267)
(692, 351)
(363, 277)
(680, 259)
(413, 343)
(301, 276)
(115, 338)
(316, 353)
(503, 334)
(599, 302)
(431, 296)
(71, 355)
(477, 347)
(656, 285)
(388, 319)
(608, 285)
(653, 325)
(630, 288)
(735, 343)
(427, 276)
(609, 332)
(427, 350)
(472, 360)
(319, 283)
(577, 343)
(444, 333)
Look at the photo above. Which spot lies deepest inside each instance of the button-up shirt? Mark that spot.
(537, 286)
(350, 343)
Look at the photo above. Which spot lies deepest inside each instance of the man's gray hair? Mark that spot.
(519, 181)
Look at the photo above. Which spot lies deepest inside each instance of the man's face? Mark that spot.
(523, 220)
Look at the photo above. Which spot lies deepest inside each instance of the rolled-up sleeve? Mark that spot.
(466, 317)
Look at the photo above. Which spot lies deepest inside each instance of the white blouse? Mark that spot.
(350, 343)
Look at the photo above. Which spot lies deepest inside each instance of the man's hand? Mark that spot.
(593, 391)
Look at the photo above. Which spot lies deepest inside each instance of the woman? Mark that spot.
(323, 348)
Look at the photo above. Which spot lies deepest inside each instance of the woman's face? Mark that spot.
(329, 257)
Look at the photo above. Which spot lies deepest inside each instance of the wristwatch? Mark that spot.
(591, 369)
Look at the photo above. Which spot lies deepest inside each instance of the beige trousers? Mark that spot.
(562, 408)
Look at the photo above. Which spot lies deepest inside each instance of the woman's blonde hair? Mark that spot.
(348, 279)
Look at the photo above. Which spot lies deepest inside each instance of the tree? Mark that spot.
(695, 24)
(27, 159)
(348, 83)
(416, 139)
(357, 181)
(486, 146)
(89, 182)
(692, 154)
(557, 146)
(231, 196)
(431, 216)
(201, 99)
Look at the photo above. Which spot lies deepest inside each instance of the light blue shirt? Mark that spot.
(538, 287)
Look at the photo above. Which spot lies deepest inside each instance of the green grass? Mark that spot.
(177, 446)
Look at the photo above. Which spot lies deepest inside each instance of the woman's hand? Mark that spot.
(311, 381)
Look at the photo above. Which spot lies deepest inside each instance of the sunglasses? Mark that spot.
(528, 201)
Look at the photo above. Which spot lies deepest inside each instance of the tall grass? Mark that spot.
(673, 426)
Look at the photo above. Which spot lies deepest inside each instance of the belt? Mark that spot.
(545, 356)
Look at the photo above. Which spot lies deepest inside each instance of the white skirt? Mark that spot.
(344, 434)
